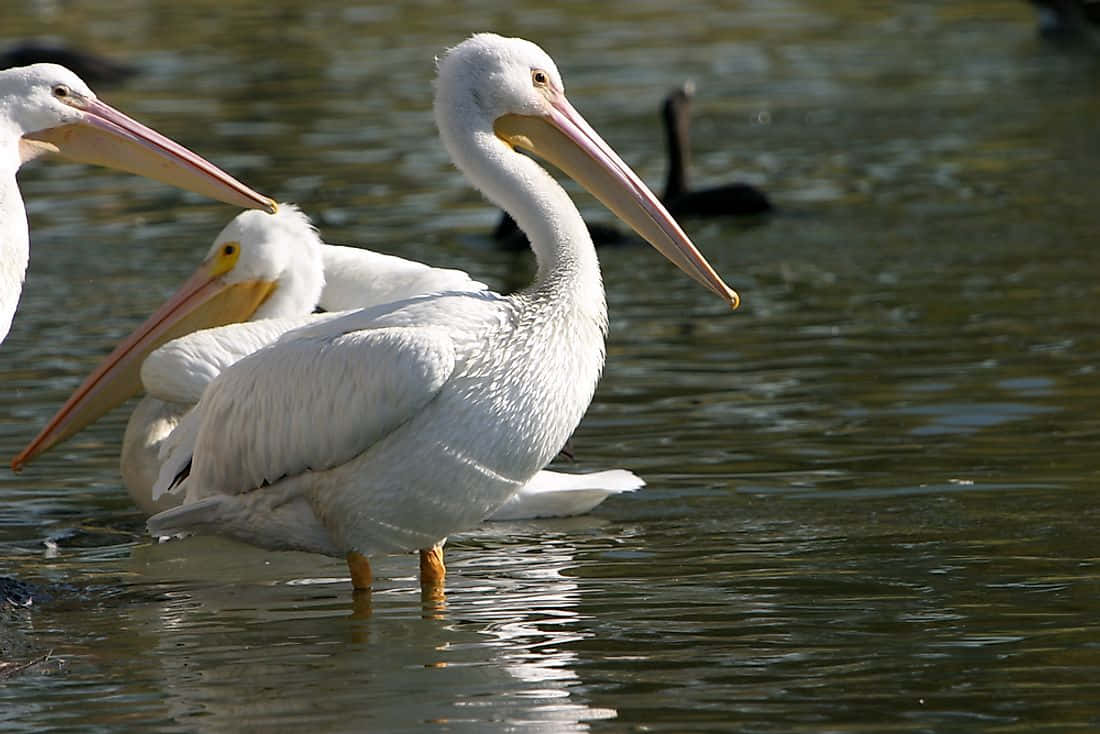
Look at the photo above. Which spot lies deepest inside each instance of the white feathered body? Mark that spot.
(14, 239)
(356, 278)
(388, 429)
(14, 236)
(151, 423)
(175, 377)
(411, 430)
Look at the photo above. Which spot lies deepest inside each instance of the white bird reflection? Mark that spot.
(243, 638)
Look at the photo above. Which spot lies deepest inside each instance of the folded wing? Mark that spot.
(306, 403)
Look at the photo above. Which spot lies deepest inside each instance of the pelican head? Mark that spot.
(260, 266)
(511, 89)
(278, 255)
(52, 110)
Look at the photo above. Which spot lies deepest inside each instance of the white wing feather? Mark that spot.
(180, 370)
(358, 278)
(557, 494)
(307, 403)
(175, 454)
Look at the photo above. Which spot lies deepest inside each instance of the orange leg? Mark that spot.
(432, 574)
(432, 570)
(359, 566)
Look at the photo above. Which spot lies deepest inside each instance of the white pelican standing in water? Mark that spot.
(273, 269)
(385, 430)
(47, 108)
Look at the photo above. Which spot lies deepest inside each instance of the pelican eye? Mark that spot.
(227, 257)
(540, 78)
(62, 91)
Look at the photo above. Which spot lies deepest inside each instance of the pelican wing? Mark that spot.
(358, 278)
(306, 403)
(180, 370)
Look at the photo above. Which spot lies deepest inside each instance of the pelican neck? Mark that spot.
(566, 257)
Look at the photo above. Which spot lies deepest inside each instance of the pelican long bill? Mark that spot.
(107, 137)
(570, 143)
(203, 301)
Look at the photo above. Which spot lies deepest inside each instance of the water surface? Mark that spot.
(872, 492)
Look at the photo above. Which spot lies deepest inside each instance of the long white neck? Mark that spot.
(14, 237)
(553, 355)
(568, 270)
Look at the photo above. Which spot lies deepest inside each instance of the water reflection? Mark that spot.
(498, 649)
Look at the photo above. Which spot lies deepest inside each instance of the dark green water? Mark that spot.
(873, 491)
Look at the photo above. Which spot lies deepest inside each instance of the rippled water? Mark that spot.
(872, 499)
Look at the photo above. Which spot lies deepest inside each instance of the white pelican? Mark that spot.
(387, 429)
(47, 108)
(266, 267)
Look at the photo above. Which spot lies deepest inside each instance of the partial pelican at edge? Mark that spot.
(46, 108)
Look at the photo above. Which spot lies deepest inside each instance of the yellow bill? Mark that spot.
(566, 140)
(205, 300)
(107, 137)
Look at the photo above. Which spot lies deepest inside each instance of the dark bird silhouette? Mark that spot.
(1069, 19)
(94, 69)
(729, 200)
